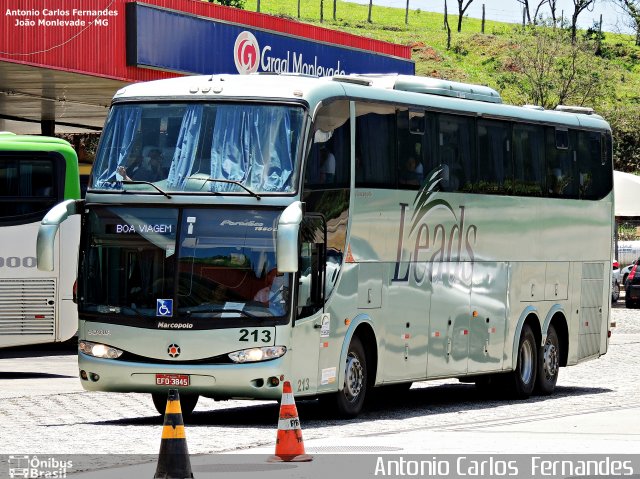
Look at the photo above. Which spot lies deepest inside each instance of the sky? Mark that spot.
(511, 11)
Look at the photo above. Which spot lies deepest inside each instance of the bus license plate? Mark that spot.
(172, 379)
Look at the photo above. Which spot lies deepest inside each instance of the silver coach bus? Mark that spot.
(345, 234)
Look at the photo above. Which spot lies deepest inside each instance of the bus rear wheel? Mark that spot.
(187, 403)
(521, 382)
(548, 363)
(348, 401)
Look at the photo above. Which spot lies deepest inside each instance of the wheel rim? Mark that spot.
(354, 378)
(526, 362)
(551, 360)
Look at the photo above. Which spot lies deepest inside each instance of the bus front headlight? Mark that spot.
(99, 350)
(253, 355)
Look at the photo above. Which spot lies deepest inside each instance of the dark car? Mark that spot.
(632, 288)
(627, 269)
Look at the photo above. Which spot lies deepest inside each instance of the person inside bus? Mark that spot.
(327, 166)
(150, 169)
(413, 172)
(272, 295)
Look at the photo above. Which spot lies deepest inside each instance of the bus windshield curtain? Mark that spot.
(251, 145)
(188, 137)
(117, 141)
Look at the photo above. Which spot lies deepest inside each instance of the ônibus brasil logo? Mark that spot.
(246, 53)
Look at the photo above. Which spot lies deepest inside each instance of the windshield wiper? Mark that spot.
(141, 182)
(231, 182)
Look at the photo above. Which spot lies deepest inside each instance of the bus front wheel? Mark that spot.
(522, 381)
(187, 403)
(348, 401)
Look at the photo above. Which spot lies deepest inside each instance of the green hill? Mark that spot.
(504, 57)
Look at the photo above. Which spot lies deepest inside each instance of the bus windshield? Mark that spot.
(222, 261)
(200, 148)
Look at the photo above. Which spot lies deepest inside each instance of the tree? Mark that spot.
(462, 7)
(540, 3)
(631, 8)
(525, 5)
(552, 70)
(446, 26)
(553, 6)
(536, 12)
(578, 7)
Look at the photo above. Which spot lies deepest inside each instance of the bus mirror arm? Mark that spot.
(49, 228)
(287, 238)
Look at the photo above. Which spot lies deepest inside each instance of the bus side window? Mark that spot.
(456, 152)
(561, 159)
(529, 157)
(328, 164)
(376, 146)
(594, 165)
(414, 149)
(312, 265)
(495, 170)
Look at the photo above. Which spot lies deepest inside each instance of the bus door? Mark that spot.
(310, 323)
(449, 319)
(488, 316)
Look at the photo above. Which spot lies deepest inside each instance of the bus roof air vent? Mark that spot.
(436, 86)
(356, 79)
(533, 107)
(582, 110)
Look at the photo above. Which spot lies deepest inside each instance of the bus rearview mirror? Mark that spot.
(287, 238)
(49, 228)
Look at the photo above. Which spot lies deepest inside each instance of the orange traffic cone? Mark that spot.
(173, 461)
(289, 445)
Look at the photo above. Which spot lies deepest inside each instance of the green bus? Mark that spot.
(36, 173)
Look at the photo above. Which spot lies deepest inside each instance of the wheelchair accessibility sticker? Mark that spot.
(164, 307)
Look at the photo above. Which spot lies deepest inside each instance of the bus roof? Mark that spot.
(24, 143)
(430, 93)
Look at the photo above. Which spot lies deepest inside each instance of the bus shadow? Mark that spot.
(32, 375)
(416, 402)
(67, 348)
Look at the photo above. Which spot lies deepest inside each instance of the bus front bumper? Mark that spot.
(259, 380)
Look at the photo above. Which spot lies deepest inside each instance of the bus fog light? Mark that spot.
(253, 355)
(99, 350)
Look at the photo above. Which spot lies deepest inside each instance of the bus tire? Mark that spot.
(521, 382)
(348, 401)
(187, 403)
(548, 363)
